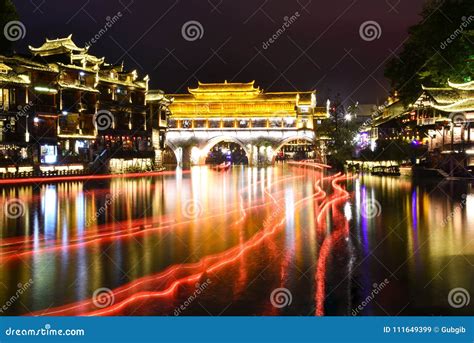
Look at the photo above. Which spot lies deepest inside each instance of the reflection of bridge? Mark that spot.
(261, 123)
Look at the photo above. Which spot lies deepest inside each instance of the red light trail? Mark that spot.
(209, 264)
(327, 197)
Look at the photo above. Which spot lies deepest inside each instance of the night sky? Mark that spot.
(322, 49)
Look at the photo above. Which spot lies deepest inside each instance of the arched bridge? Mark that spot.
(191, 147)
(259, 122)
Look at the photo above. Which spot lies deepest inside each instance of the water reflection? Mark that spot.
(149, 240)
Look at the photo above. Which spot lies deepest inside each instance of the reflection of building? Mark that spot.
(63, 106)
(261, 123)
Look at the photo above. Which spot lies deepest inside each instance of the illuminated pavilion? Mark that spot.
(260, 122)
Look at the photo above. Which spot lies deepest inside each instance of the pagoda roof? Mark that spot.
(306, 98)
(226, 87)
(241, 92)
(77, 87)
(12, 78)
(158, 95)
(4, 67)
(442, 95)
(321, 111)
(234, 97)
(138, 84)
(57, 46)
(28, 63)
(458, 106)
(86, 58)
(90, 69)
(468, 86)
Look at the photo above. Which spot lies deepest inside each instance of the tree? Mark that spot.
(7, 13)
(339, 132)
(439, 48)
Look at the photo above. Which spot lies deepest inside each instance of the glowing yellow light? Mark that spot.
(46, 90)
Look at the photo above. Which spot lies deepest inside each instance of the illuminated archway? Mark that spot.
(176, 151)
(204, 152)
(289, 140)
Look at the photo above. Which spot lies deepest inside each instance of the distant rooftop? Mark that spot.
(57, 46)
(226, 87)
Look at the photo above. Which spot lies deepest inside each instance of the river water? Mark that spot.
(283, 240)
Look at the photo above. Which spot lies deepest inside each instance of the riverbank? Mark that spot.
(79, 177)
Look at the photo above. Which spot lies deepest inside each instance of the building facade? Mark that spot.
(64, 108)
(440, 120)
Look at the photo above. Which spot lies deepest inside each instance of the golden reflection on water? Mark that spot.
(422, 237)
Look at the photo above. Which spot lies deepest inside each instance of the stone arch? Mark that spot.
(219, 139)
(282, 143)
(178, 152)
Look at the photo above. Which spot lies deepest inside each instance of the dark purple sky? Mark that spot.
(321, 50)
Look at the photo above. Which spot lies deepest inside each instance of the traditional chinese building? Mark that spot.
(440, 119)
(63, 106)
(447, 114)
(259, 122)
